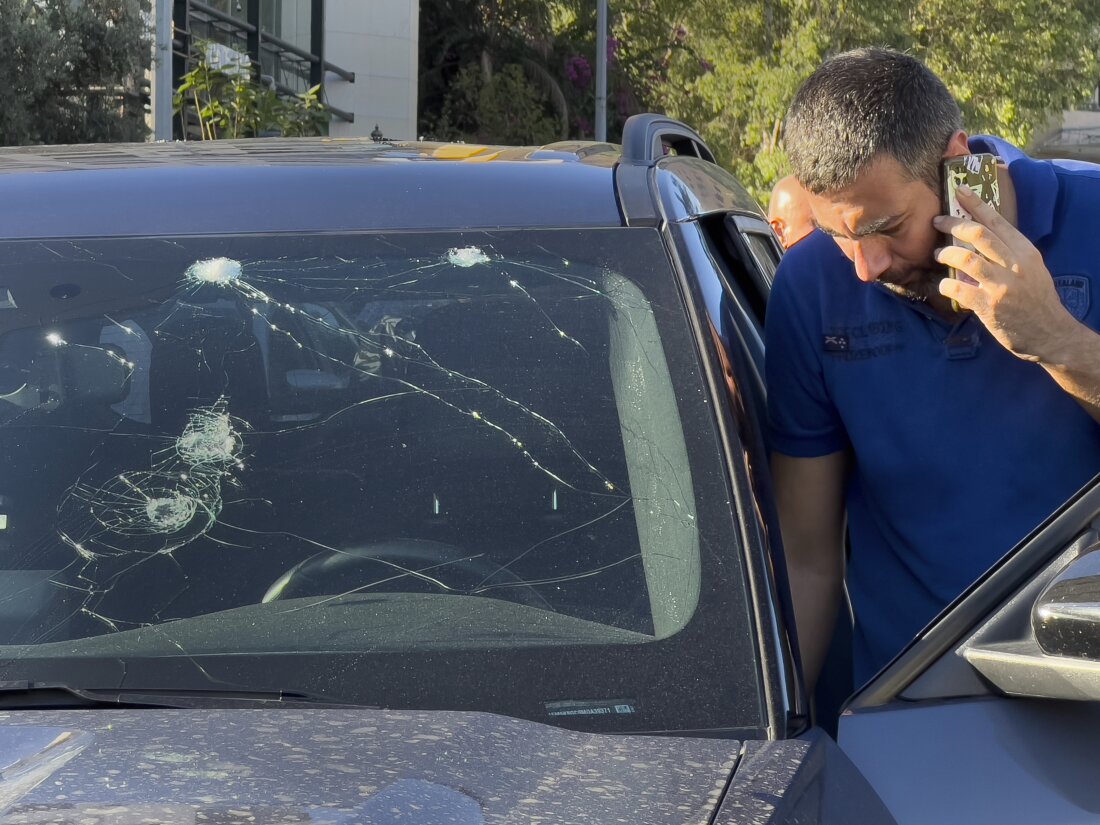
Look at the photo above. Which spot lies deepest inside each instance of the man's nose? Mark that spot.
(871, 260)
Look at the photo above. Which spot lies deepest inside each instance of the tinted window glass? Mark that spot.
(762, 249)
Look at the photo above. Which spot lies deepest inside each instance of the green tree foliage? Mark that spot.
(506, 108)
(513, 71)
(475, 49)
(1011, 63)
(71, 70)
(730, 67)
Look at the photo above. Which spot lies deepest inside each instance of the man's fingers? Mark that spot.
(965, 295)
(983, 213)
(980, 237)
(967, 260)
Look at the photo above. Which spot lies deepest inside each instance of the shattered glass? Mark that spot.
(284, 424)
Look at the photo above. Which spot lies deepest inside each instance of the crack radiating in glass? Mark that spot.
(117, 524)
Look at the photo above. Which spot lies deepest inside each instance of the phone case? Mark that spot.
(979, 172)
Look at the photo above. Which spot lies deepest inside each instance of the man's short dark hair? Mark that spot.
(861, 105)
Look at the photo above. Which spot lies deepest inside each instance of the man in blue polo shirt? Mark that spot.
(943, 437)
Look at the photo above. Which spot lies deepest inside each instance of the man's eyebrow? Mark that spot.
(872, 228)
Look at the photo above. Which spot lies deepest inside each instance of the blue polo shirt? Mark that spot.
(960, 448)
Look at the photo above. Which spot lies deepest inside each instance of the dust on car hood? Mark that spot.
(123, 767)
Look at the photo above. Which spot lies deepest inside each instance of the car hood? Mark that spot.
(342, 766)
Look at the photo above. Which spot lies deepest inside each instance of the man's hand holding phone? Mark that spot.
(980, 173)
(1013, 293)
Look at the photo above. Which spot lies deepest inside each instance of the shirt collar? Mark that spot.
(1035, 182)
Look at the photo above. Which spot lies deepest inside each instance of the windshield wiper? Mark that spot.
(55, 696)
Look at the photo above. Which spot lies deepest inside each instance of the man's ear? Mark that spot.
(780, 227)
(959, 144)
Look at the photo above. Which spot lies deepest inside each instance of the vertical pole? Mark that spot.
(317, 42)
(161, 91)
(254, 37)
(601, 69)
(181, 49)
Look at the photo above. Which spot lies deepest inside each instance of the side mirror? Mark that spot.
(1044, 642)
(1066, 616)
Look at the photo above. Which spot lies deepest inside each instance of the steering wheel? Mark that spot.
(402, 566)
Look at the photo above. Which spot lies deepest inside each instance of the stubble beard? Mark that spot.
(920, 285)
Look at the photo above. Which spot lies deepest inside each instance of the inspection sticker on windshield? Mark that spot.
(591, 707)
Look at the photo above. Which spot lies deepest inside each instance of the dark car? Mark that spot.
(346, 482)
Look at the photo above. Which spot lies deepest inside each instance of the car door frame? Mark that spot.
(695, 197)
(1027, 750)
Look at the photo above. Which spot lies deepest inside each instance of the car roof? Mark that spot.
(302, 185)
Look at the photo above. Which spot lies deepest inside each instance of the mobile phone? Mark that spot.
(979, 172)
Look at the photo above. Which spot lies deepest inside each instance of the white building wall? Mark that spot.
(378, 40)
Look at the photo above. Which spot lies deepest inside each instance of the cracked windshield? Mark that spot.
(340, 444)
